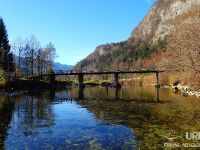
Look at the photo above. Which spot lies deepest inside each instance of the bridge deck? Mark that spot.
(109, 72)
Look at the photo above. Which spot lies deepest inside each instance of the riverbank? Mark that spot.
(29, 84)
(172, 81)
(181, 84)
(146, 81)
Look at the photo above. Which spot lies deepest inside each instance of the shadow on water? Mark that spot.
(97, 118)
(6, 110)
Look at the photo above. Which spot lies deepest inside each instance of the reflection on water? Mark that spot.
(6, 110)
(107, 93)
(96, 118)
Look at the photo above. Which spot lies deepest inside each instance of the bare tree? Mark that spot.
(32, 59)
(50, 52)
(184, 48)
(18, 46)
(34, 46)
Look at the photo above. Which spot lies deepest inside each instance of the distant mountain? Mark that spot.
(56, 65)
(59, 66)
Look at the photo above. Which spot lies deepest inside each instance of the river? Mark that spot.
(97, 118)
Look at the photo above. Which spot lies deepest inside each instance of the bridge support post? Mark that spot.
(158, 94)
(157, 80)
(116, 80)
(80, 80)
(52, 77)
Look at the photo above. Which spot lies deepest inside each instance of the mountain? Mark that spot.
(59, 66)
(56, 65)
(162, 19)
(168, 26)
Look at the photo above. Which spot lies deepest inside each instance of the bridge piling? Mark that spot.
(114, 73)
(52, 77)
(80, 80)
(116, 80)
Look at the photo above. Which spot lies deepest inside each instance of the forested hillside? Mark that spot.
(152, 41)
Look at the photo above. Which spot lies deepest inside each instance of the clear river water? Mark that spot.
(97, 118)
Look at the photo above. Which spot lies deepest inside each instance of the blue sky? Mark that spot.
(75, 27)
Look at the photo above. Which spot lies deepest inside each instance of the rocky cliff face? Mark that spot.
(157, 23)
(141, 49)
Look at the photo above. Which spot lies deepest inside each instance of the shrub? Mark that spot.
(2, 78)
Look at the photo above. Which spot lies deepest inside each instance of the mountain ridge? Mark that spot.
(148, 41)
(59, 66)
(56, 65)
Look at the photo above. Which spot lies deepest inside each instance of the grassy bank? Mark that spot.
(29, 84)
(182, 82)
(166, 78)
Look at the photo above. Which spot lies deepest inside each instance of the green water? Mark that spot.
(98, 118)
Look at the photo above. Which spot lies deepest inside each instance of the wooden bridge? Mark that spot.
(81, 73)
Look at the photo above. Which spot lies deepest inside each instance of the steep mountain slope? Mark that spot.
(150, 40)
(157, 24)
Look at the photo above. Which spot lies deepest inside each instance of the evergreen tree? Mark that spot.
(6, 57)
